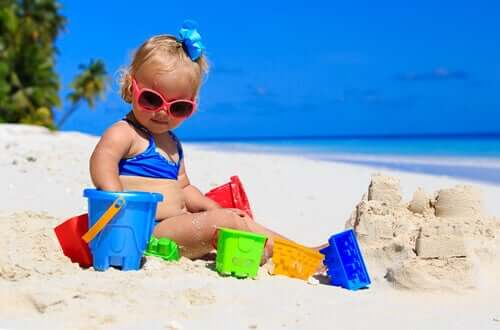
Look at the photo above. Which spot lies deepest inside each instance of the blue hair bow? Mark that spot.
(191, 40)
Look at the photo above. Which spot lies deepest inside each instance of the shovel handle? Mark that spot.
(104, 219)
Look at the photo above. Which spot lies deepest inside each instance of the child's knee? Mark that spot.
(229, 219)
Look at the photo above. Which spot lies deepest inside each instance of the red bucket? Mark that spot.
(231, 195)
(69, 233)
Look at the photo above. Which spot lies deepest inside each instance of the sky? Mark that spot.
(306, 68)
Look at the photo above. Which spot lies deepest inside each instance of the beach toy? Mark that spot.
(163, 248)
(106, 217)
(239, 252)
(295, 260)
(69, 234)
(73, 234)
(121, 226)
(344, 261)
(231, 195)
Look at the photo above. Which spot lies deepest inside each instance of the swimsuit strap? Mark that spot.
(178, 145)
(151, 138)
(138, 126)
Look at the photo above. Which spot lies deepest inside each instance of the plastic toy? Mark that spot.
(343, 258)
(294, 260)
(163, 248)
(103, 220)
(73, 234)
(119, 238)
(69, 234)
(239, 253)
(231, 195)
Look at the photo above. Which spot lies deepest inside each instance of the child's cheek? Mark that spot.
(142, 116)
(176, 121)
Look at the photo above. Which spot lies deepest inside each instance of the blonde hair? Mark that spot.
(166, 48)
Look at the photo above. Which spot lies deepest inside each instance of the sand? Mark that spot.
(431, 245)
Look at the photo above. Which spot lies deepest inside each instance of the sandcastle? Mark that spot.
(434, 241)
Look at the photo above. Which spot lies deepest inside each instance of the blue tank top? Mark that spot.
(151, 163)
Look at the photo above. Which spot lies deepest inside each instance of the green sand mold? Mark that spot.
(163, 248)
(239, 252)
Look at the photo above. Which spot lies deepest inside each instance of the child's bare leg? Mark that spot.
(194, 231)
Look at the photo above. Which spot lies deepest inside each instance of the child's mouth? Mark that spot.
(161, 122)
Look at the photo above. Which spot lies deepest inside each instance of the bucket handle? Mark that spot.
(104, 219)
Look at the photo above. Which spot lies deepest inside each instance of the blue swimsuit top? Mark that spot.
(150, 163)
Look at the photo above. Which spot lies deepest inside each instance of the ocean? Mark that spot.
(471, 158)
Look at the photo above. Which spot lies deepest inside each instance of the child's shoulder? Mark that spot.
(120, 130)
(121, 125)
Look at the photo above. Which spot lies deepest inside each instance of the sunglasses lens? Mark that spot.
(150, 101)
(181, 109)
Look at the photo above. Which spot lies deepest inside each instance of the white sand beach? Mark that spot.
(434, 263)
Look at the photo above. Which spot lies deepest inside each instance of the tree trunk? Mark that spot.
(66, 115)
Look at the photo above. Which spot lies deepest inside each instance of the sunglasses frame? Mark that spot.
(166, 104)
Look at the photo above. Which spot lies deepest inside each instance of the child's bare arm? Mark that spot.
(112, 147)
(195, 200)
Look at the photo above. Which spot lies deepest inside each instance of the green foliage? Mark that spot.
(87, 87)
(29, 85)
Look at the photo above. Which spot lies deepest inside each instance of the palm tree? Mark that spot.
(28, 82)
(88, 86)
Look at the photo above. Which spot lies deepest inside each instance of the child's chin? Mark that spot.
(162, 128)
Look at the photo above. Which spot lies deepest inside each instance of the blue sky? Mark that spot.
(307, 68)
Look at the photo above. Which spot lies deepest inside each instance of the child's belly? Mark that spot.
(173, 198)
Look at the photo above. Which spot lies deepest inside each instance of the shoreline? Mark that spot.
(459, 167)
(483, 174)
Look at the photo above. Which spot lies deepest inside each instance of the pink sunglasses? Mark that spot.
(152, 101)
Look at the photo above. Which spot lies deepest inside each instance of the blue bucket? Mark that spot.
(123, 240)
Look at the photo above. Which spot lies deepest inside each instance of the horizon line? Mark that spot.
(483, 135)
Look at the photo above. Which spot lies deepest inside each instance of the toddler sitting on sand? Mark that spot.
(140, 152)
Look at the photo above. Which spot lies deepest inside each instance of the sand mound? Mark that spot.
(444, 241)
(460, 201)
(37, 279)
(37, 282)
(31, 248)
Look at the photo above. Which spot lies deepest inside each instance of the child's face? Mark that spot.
(173, 85)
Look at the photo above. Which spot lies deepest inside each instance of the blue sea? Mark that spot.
(472, 158)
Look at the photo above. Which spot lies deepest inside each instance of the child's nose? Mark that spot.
(164, 110)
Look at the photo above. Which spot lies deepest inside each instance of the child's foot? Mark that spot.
(322, 246)
(268, 252)
(321, 268)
